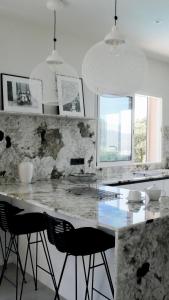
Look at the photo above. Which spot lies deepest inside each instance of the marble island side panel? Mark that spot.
(143, 262)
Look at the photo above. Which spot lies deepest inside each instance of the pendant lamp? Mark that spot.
(114, 65)
(54, 65)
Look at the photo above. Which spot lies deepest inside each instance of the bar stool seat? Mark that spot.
(87, 241)
(27, 223)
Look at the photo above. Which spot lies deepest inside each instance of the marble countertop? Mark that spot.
(138, 176)
(105, 206)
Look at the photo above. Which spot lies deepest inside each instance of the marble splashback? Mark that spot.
(48, 142)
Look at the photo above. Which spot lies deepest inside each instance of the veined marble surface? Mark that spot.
(141, 255)
(47, 142)
(105, 206)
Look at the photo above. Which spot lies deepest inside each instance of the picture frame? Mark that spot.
(70, 96)
(16, 95)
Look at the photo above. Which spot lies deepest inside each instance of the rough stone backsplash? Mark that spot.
(48, 142)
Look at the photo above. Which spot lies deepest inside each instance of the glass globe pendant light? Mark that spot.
(54, 65)
(114, 66)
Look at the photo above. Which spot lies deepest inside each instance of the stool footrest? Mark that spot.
(31, 243)
(95, 266)
(46, 271)
(101, 294)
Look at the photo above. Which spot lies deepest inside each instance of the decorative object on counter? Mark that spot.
(153, 206)
(25, 172)
(70, 95)
(134, 207)
(153, 192)
(134, 196)
(114, 65)
(164, 201)
(16, 95)
(82, 178)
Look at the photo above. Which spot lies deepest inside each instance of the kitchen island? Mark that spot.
(140, 261)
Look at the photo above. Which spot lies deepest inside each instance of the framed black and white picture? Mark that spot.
(16, 95)
(70, 96)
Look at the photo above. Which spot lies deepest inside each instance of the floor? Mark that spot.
(7, 291)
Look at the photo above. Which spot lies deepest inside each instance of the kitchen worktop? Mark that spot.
(103, 205)
(138, 176)
(139, 262)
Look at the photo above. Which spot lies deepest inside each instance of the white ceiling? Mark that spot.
(92, 19)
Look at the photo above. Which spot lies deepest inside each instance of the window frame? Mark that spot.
(100, 164)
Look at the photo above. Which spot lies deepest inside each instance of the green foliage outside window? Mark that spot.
(140, 133)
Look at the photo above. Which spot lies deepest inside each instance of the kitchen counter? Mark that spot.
(103, 205)
(138, 176)
(140, 261)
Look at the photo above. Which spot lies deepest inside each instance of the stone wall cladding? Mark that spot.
(48, 142)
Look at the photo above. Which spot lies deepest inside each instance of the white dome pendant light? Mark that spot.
(54, 60)
(114, 66)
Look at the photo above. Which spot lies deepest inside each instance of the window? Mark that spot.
(147, 129)
(129, 129)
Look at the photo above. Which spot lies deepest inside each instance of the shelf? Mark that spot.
(45, 115)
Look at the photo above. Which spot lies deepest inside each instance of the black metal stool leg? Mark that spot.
(86, 277)
(63, 268)
(48, 258)
(61, 274)
(108, 272)
(6, 258)
(19, 259)
(75, 277)
(24, 270)
(36, 271)
(92, 289)
(17, 265)
(2, 249)
(31, 259)
(5, 242)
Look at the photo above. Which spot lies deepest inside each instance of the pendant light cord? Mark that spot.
(54, 39)
(115, 16)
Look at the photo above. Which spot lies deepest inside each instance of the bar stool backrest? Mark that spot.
(5, 214)
(56, 230)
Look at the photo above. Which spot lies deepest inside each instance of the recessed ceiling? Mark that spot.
(92, 19)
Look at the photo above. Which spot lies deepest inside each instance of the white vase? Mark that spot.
(25, 172)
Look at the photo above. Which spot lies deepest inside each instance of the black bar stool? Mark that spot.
(82, 242)
(12, 210)
(25, 224)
